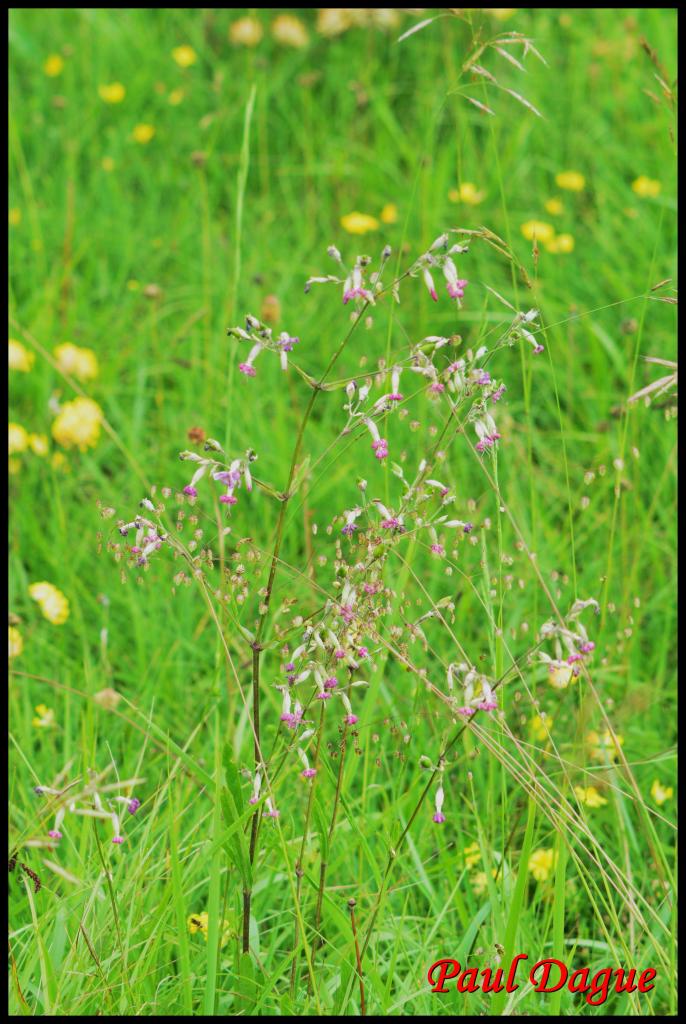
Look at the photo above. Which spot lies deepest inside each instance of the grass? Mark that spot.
(578, 503)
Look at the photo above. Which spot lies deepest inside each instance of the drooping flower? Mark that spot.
(112, 93)
(80, 363)
(19, 357)
(542, 863)
(185, 55)
(439, 816)
(78, 424)
(356, 223)
(573, 181)
(52, 602)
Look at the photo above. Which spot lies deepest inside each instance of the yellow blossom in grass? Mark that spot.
(112, 93)
(38, 443)
(560, 676)
(16, 642)
(554, 206)
(78, 424)
(52, 602)
(58, 461)
(389, 214)
(541, 727)
(290, 31)
(53, 65)
(646, 188)
(19, 357)
(175, 97)
(359, 223)
(539, 230)
(466, 193)
(589, 796)
(501, 13)
(246, 31)
(603, 748)
(44, 718)
(542, 864)
(331, 21)
(77, 362)
(107, 163)
(573, 181)
(184, 55)
(472, 855)
(660, 793)
(18, 438)
(560, 244)
(14, 216)
(479, 881)
(143, 133)
(201, 922)
(13, 466)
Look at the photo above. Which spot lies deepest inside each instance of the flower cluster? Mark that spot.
(78, 424)
(51, 601)
(94, 800)
(262, 339)
(571, 638)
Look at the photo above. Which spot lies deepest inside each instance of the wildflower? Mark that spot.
(560, 244)
(81, 363)
(389, 214)
(541, 864)
(107, 698)
(18, 438)
(184, 56)
(246, 31)
(359, 223)
(332, 21)
(379, 444)
(573, 181)
(190, 491)
(14, 217)
(660, 793)
(439, 816)
(479, 882)
(199, 923)
(289, 31)
(589, 796)
(175, 97)
(472, 855)
(78, 424)
(454, 284)
(133, 805)
(117, 840)
(52, 602)
(44, 717)
(538, 230)
(603, 748)
(646, 188)
(38, 443)
(143, 133)
(112, 93)
(428, 281)
(53, 65)
(554, 207)
(55, 834)
(466, 193)
(560, 676)
(16, 642)
(19, 357)
(541, 727)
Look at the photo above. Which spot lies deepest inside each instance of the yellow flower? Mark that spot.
(59, 461)
(78, 424)
(501, 13)
(466, 193)
(52, 602)
(143, 133)
(18, 438)
(38, 443)
(332, 21)
(107, 164)
(184, 56)
(13, 466)
(53, 65)
(201, 922)
(359, 223)
(603, 748)
(479, 881)
(112, 93)
(646, 188)
(541, 864)
(246, 32)
(560, 676)
(554, 207)
(560, 244)
(389, 214)
(78, 362)
(290, 31)
(661, 793)
(590, 796)
(45, 717)
(541, 727)
(175, 97)
(573, 181)
(472, 855)
(539, 230)
(15, 641)
(14, 216)
(19, 358)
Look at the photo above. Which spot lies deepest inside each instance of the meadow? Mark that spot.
(382, 670)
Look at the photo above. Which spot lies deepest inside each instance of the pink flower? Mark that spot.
(247, 369)
(190, 491)
(118, 840)
(54, 834)
(308, 773)
(439, 818)
(350, 719)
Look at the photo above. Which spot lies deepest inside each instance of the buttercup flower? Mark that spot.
(53, 65)
(389, 214)
(16, 642)
(603, 748)
(78, 424)
(18, 438)
(541, 864)
(19, 357)
(660, 793)
(541, 727)
(44, 719)
(560, 244)
(246, 32)
(589, 796)
(359, 223)
(289, 31)
(554, 207)
(472, 855)
(38, 443)
(466, 193)
(112, 93)
(77, 362)
(201, 922)
(539, 230)
(52, 602)
(646, 188)
(184, 56)
(143, 133)
(573, 181)
(175, 97)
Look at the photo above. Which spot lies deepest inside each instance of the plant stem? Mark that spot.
(324, 865)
